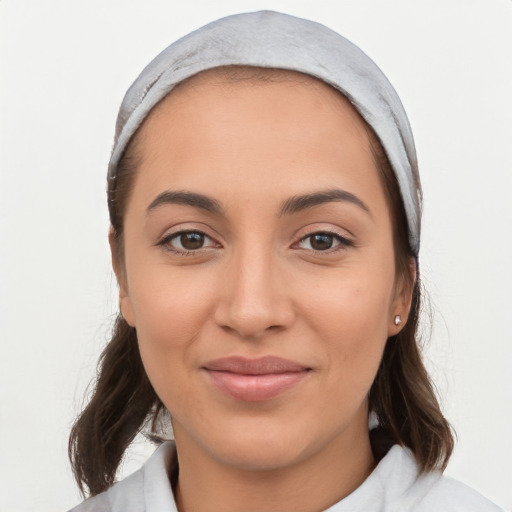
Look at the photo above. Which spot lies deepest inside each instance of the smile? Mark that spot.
(255, 380)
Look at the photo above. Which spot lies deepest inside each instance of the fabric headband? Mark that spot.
(273, 40)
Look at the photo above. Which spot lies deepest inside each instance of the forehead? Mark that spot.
(233, 78)
(209, 90)
(241, 133)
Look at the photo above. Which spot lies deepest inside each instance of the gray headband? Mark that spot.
(273, 40)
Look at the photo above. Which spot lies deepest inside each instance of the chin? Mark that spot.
(264, 444)
(263, 454)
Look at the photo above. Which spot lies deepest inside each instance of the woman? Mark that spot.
(265, 208)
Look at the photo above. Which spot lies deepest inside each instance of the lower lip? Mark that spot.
(255, 388)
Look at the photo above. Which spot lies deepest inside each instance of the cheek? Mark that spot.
(351, 321)
(171, 308)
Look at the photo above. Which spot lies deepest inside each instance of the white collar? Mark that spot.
(394, 480)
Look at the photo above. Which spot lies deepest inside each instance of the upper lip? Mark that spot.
(261, 366)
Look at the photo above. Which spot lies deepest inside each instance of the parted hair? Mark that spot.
(123, 402)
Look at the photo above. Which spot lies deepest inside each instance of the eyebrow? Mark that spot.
(299, 203)
(290, 206)
(187, 198)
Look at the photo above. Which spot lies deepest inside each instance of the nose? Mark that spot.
(254, 296)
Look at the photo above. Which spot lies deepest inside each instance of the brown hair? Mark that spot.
(124, 402)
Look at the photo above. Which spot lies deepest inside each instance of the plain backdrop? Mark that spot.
(65, 66)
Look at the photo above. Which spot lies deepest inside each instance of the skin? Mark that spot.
(260, 286)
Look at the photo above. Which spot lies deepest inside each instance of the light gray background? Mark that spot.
(64, 68)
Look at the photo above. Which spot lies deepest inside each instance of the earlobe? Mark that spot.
(125, 305)
(403, 300)
(396, 324)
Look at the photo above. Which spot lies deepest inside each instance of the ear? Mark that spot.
(125, 304)
(401, 304)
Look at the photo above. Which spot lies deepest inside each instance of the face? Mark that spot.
(259, 269)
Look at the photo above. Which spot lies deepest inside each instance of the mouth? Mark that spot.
(255, 380)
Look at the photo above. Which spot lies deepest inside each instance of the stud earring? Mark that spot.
(398, 319)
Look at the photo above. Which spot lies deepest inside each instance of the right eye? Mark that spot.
(187, 242)
(324, 241)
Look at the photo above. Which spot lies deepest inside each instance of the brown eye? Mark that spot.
(324, 241)
(191, 241)
(186, 242)
(321, 241)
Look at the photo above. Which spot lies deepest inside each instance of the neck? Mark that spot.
(315, 483)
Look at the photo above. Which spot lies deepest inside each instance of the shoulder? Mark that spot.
(126, 495)
(429, 492)
(146, 490)
(396, 485)
(453, 496)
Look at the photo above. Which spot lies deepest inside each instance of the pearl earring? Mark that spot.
(398, 319)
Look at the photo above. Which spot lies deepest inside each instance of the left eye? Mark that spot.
(322, 241)
(188, 241)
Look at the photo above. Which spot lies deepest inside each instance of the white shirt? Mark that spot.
(393, 486)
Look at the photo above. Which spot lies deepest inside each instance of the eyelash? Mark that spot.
(343, 243)
(166, 242)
